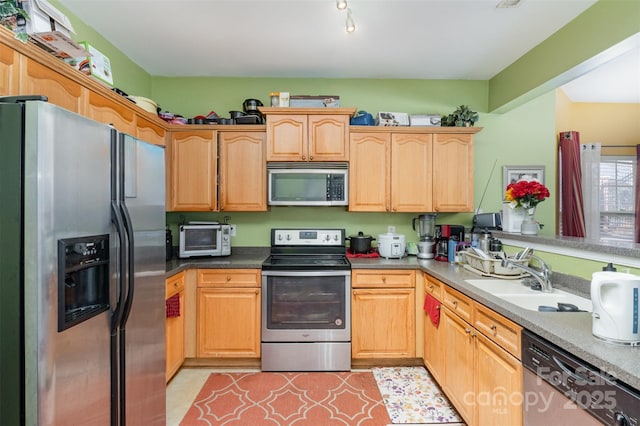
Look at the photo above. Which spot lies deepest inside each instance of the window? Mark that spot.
(617, 197)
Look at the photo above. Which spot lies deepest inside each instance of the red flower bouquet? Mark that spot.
(526, 194)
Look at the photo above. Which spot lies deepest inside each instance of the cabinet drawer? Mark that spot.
(371, 278)
(433, 286)
(501, 330)
(174, 284)
(228, 278)
(458, 303)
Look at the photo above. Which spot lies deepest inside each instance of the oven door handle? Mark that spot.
(306, 273)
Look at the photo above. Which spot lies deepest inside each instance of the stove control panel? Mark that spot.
(307, 237)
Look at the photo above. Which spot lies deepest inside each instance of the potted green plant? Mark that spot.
(13, 18)
(463, 116)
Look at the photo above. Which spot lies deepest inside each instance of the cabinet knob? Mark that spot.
(304, 158)
(431, 287)
(467, 330)
(310, 157)
(493, 327)
(455, 303)
(175, 285)
(384, 279)
(228, 278)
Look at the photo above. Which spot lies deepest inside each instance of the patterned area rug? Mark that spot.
(298, 399)
(411, 396)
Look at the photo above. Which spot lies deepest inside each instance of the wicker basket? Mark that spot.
(493, 266)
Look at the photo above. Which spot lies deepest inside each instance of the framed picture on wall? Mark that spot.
(512, 174)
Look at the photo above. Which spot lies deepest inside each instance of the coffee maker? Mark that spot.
(427, 235)
(443, 234)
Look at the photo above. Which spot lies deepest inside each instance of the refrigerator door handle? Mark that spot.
(116, 319)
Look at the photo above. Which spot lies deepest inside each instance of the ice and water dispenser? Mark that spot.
(83, 279)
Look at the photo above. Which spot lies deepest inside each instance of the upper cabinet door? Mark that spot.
(243, 171)
(328, 137)
(287, 138)
(8, 71)
(37, 79)
(193, 171)
(453, 172)
(411, 168)
(368, 172)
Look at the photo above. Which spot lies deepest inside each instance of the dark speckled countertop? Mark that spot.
(571, 331)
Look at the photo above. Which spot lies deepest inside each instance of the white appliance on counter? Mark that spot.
(391, 245)
(615, 307)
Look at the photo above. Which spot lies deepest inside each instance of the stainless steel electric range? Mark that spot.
(306, 301)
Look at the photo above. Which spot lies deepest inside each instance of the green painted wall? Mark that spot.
(127, 75)
(603, 25)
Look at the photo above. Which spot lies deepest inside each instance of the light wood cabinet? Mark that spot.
(243, 173)
(228, 313)
(453, 173)
(175, 333)
(149, 131)
(107, 111)
(390, 172)
(411, 169)
(37, 79)
(481, 378)
(433, 352)
(383, 314)
(192, 171)
(307, 134)
(9, 73)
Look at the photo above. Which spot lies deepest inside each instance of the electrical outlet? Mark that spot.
(233, 230)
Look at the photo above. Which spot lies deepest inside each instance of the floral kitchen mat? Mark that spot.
(412, 396)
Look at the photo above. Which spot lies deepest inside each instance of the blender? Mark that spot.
(427, 234)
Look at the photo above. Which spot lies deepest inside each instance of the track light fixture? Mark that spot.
(351, 25)
(341, 4)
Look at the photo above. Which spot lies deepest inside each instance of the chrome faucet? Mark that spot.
(543, 275)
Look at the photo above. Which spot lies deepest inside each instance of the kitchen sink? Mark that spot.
(519, 294)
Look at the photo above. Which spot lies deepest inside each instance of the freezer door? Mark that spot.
(66, 196)
(144, 199)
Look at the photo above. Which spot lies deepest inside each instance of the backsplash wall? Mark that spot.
(254, 229)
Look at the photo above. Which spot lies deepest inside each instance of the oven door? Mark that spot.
(306, 306)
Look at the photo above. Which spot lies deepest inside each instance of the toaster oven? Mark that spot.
(204, 239)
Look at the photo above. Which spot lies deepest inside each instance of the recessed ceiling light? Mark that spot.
(504, 4)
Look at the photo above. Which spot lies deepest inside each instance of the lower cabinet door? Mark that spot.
(228, 323)
(383, 323)
(498, 395)
(175, 341)
(459, 382)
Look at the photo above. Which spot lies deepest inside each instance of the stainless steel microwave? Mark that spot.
(204, 239)
(308, 184)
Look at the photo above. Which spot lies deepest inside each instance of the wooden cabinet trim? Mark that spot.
(383, 278)
(229, 278)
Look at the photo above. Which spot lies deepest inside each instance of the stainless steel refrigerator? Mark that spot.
(82, 313)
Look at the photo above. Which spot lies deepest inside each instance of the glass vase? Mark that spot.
(529, 224)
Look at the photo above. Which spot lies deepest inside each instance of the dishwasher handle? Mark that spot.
(573, 372)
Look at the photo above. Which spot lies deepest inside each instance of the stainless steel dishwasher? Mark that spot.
(560, 389)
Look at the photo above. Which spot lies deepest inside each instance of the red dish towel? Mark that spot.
(432, 308)
(173, 306)
(370, 254)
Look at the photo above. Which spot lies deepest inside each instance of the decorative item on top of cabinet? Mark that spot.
(9, 74)
(60, 90)
(243, 171)
(228, 313)
(175, 324)
(383, 314)
(390, 171)
(192, 171)
(307, 134)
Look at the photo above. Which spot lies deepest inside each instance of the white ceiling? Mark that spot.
(422, 39)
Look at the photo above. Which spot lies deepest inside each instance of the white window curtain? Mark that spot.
(590, 167)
